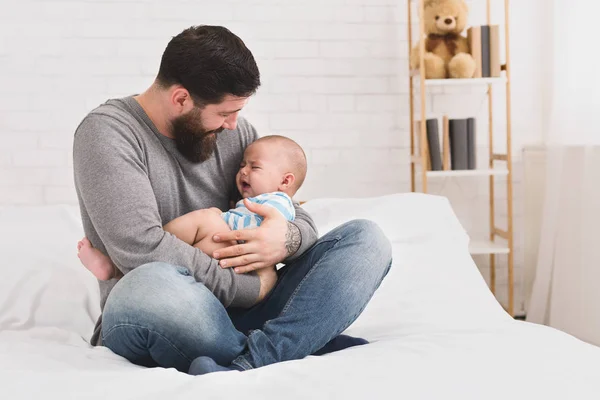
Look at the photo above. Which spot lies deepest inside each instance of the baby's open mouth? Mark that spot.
(245, 186)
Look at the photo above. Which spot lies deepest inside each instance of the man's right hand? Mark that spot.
(268, 278)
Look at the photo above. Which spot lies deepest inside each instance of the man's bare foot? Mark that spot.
(94, 260)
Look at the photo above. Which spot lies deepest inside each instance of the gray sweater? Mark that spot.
(131, 180)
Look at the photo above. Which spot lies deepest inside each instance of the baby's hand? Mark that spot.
(262, 247)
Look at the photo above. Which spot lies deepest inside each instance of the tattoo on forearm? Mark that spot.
(292, 239)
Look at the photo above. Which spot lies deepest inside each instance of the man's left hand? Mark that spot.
(264, 246)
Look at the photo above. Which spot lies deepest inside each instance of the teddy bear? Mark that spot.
(447, 52)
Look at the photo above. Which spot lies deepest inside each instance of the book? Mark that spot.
(495, 66)
(471, 144)
(474, 40)
(433, 143)
(459, 158)
(485, 51)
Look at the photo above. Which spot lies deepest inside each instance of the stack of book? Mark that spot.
(484, 42)
(459, 144)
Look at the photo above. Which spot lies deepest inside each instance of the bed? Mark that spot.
(435, 329)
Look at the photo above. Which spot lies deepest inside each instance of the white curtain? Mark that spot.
(566, 291)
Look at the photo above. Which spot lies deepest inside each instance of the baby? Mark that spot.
(271, 172)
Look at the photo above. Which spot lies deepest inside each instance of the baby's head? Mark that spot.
(271, 164)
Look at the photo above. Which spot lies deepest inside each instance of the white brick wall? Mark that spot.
(334, 79)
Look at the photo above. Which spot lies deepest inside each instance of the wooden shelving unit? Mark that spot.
(499, 164)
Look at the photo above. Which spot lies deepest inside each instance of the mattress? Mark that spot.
(435, 330)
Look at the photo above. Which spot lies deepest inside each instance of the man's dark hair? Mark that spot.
(210, 62)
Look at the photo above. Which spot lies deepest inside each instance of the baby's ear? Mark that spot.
(288, 180)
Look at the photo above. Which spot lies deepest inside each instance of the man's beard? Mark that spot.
(192, 140)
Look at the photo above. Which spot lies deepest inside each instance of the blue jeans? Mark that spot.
(158, 315)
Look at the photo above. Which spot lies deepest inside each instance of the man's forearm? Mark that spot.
(300, 236)
(293, 239)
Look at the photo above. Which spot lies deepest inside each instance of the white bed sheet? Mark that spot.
(435, 329)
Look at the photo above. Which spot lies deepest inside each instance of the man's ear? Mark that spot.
(181, 99)
(287, 181)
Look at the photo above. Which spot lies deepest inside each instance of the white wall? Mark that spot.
(334, 79)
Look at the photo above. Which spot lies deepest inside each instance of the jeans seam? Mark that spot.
(314, 267)
(112, 329)
(241, 362)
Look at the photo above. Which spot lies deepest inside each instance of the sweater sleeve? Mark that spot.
(308, 232)
(112, 182)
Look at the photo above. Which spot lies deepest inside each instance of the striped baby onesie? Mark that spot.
(242, 218)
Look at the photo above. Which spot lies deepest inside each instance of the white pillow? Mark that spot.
(433, 284)
(402, 217)
(43, 283)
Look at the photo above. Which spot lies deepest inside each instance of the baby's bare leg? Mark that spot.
(198, 227)
(206, 233)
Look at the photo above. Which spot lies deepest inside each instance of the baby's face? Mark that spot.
(260, 171)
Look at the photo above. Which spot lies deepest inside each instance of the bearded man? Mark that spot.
(144, 160)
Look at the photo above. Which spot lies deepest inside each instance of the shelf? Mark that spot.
(468, 172)
(463, 82)
(487, 247)
(462, 172)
